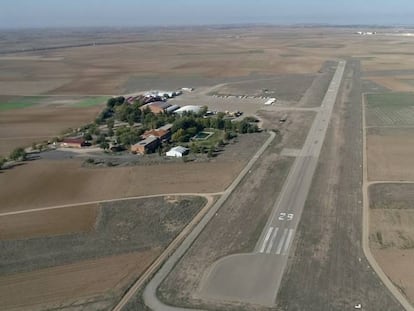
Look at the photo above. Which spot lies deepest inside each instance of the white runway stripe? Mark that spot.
(269, 232)
(272, 240)
(288, 241)
(281, 242)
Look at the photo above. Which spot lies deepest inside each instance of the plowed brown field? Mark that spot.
(49, 222)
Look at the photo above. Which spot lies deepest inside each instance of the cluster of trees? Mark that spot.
(128, 135)
(189, 125)
(17, 154)
(109, 110)
(184, 127)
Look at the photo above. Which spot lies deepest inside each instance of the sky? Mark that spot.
(118, 13)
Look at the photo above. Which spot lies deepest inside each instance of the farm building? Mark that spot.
(162, 133)
(167, 127)
(73, 142)
(177, 152)
(172, 108)
(156, 107)
(189, 108)
(147, 145)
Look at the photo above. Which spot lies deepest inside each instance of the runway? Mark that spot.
(279, 232)
(264, 268)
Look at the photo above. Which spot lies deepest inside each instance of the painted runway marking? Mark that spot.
(281, 242)
(269, 232)
(288, 241)
(272, 240)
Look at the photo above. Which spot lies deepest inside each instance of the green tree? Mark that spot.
(18, 154)
(178, 135)
(104, 145)
(87, 136)
(2, 162)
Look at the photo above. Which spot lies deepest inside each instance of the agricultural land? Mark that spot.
(89, 220)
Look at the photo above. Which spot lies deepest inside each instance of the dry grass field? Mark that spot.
(83, 285)
(392, 232)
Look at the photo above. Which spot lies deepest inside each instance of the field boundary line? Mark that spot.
(33, 210)
(365, 223)
(374, 182)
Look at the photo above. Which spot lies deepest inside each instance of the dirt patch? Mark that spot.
(390, 153)
(398, 266)
(392, 228)
(87, 285)
(294, 130)
(49, 222)
(392, 232)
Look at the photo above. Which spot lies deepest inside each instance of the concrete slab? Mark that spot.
(250, 278)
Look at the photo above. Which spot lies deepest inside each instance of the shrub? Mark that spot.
(18, 154)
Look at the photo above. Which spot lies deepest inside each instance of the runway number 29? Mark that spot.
(284, 216)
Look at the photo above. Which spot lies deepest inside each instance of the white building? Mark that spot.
(177, 152)
(189, 108)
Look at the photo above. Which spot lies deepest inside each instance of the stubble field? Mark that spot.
(47, 267)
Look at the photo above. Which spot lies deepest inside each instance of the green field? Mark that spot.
(390, 109)
(92, 101)
(19, 103)
(390, 100)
